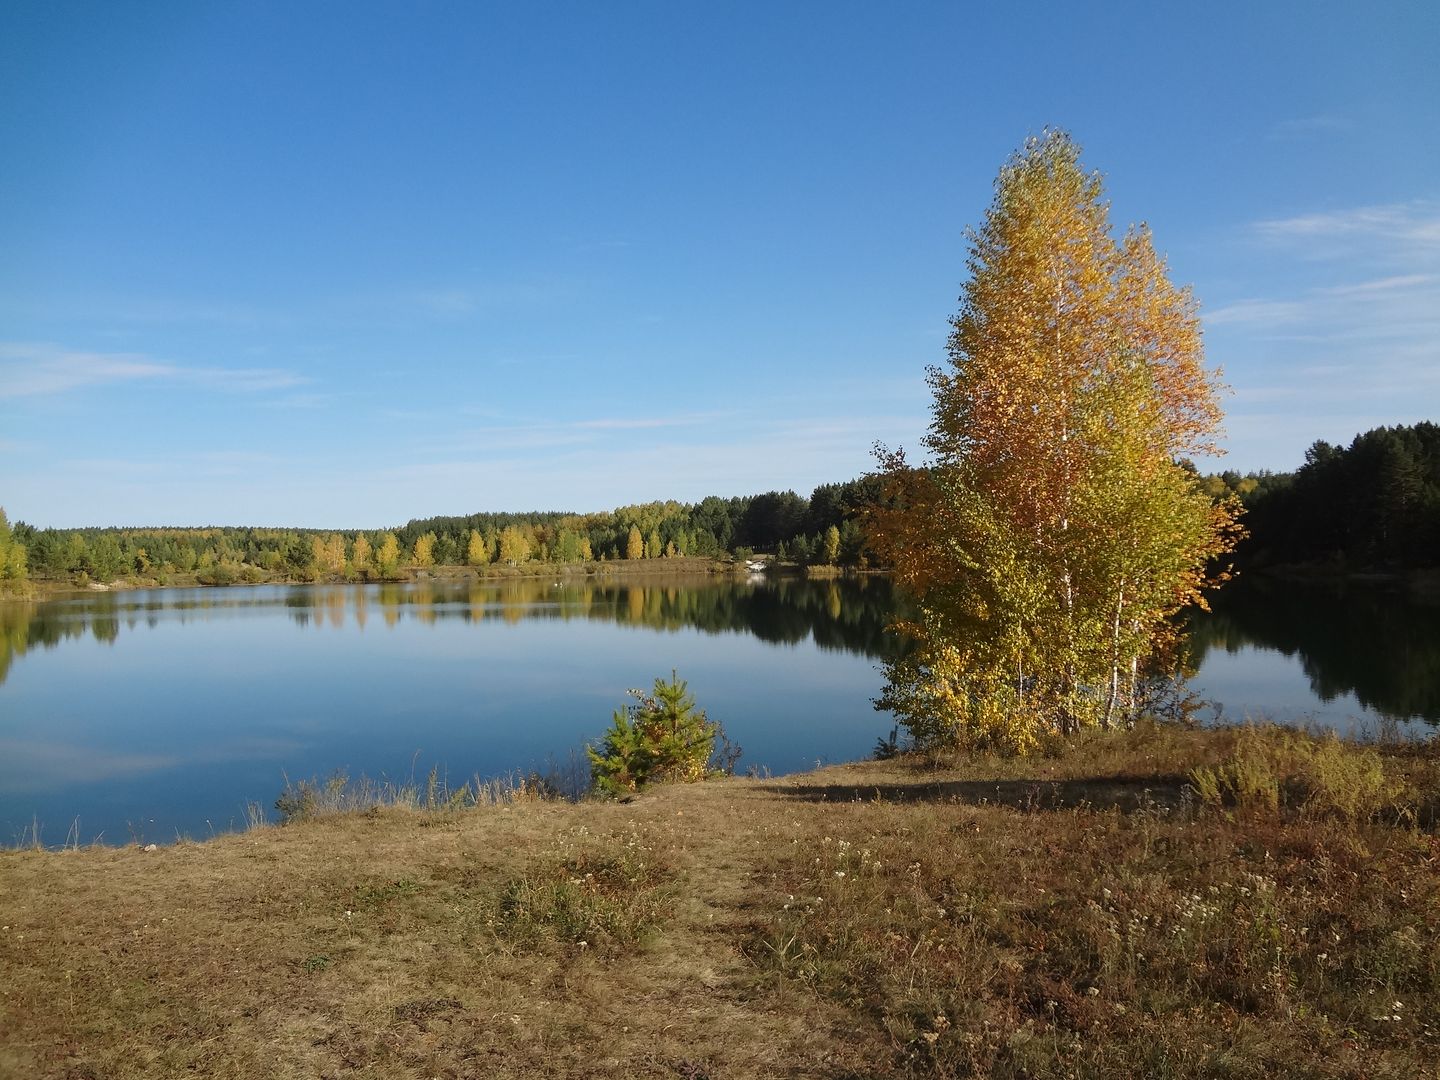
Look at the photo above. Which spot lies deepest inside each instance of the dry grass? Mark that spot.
(1085, 915)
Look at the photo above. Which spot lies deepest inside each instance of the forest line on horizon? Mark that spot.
(1374, 505)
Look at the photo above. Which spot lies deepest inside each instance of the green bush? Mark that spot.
(662, 737)
(218, 574)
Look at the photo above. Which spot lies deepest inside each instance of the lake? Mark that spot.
(155, 713)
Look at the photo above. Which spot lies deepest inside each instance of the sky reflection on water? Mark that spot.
(165, 711)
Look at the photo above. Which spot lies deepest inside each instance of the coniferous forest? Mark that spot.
(1371, 506)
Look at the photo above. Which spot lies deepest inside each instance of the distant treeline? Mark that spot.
(821, 529)
(1374, 505)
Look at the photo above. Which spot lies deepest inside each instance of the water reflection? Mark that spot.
(1370, 642)
(172, 708)
(175, 707)
(848, 615)
(1374, 643)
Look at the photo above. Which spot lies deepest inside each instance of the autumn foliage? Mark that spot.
(1054, 531)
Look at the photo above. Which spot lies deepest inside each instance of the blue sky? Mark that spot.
(348, 264)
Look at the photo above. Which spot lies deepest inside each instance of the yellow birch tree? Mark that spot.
(387, 555)
(360, 554)
(514, 545)
(329, 552)
(1053, 534)
(477, 551)
(12, 552)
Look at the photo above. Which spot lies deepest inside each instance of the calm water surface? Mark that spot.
(1347, 657)
(149, 714)
(152, 713)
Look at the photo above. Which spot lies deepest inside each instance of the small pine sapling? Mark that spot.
(662, 737)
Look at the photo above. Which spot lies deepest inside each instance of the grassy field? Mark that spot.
(1165, 903)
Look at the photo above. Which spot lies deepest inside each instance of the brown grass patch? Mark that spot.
(1085, 915)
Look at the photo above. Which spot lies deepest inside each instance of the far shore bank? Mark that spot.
(42, 589)
(1422, 584)
(680, 566)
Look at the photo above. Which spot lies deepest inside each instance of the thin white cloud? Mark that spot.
(1395, 283)
(1277, 437)
(1353, 343)
(1415, 224)
(237, 459)
(1265, 395)
(483, 299)
(1255, 311)
(133, 313)
(303, 401)
(499, 440)
(586, 431)
(600, 468)
(1306, 127)
(1341, 385)
(27, 370)
(120, 467)
(447, 301)
(774, 454)
(242, 380)
(206, 463)
(639, 423)
(1402, 306)
(30, 370)
(148, 310)
(603, 245)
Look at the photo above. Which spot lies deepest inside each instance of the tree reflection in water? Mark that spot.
(1367, 640)
(847, 614)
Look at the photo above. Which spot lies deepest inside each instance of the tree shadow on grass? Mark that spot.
(1096, 793)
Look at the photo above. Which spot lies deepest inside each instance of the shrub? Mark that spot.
(1329, 777)
(661, 737)
(1249, 779)
(218, 574)
(1350, 782)
(305, 799)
